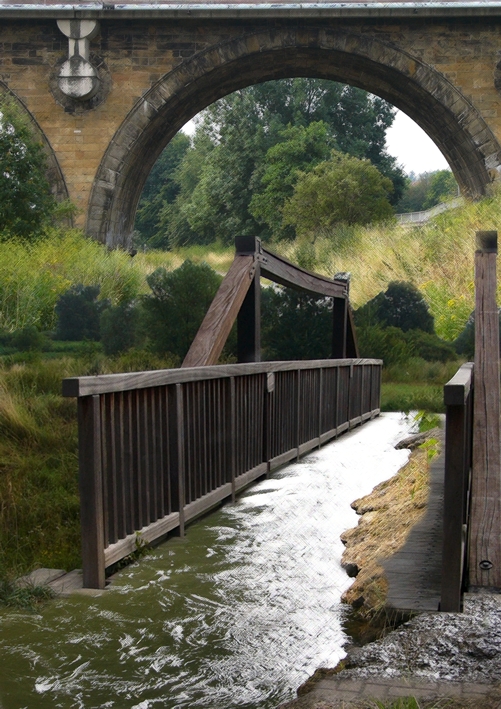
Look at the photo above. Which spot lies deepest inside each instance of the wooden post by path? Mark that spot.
(485, 519)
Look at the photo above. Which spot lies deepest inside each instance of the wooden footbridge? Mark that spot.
(158, 449)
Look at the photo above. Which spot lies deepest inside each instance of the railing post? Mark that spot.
(91, 491)
(231, 434)
(485, 526)
(453, 551)
(180, 454)
(339, 326)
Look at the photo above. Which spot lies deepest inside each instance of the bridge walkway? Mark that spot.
(414, 573)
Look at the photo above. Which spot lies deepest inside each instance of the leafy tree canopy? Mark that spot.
(427, 190)
(343, 189)
(401, 305)
(26, 202)
(295, 325)
(246, 154)
(174, 310)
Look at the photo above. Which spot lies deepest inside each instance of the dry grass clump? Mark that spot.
(387, 515)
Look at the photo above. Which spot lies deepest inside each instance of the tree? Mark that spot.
(343, 189)
(78, 312)
(174, 310)
(295, 325)
(26, 202)
(299, 149)
(162, 186)
(401, 305)
(427, 190)
(236, 175)
(443, 186)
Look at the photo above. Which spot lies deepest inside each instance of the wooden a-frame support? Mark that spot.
(239, 296)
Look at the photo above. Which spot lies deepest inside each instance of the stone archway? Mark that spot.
(54, 173)
(418, 89)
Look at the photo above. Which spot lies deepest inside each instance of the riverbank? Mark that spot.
(440, 659)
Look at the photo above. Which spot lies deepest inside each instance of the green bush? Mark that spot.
(118, 328)
(430, 347)
(295, 325)
(29, 339)
(174, 311)
(386, 343)
(401, 305)
(78, 313)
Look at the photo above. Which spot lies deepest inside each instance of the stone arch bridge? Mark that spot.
(108, 85)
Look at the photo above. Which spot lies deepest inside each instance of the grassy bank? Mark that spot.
(39, 502)
(437, 258)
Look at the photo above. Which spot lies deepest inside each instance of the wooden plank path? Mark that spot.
(414, 573)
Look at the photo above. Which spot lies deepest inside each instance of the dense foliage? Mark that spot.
(427, 190)
(401, 306)
(340, 190)
(246, 156)
(174, 310)
(26, 202)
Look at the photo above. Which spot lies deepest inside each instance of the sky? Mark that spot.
(414, 150)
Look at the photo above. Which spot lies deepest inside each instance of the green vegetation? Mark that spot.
(27, 203)
(25, 596)
(248, 152)
(427, 190)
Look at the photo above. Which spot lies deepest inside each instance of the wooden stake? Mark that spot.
(485, 519)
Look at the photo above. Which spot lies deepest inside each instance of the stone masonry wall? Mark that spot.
(133, 56)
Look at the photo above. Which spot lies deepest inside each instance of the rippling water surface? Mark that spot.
(237, 614)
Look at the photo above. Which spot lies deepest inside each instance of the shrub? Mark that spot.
(28, 339)
(78, 312)
(174, 311)
(430, 347)
(118, 328)
(295, 325)
(386, 343)
(401, 305)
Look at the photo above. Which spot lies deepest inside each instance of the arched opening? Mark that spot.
(54, 173)
(416, 88)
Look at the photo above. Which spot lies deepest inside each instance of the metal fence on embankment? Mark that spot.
(159, 448)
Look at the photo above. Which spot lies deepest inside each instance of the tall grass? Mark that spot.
(39, 502)
(32, 276)
(437, 257)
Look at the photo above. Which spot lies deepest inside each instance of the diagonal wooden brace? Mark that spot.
(216, 326)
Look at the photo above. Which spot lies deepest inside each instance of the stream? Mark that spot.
(237, 614)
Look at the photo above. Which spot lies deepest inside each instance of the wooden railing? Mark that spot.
(458, 398)
(157, 449)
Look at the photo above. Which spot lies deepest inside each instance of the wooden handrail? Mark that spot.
(157, 449)
(128, 381)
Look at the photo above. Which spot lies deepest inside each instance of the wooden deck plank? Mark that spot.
(415, 572)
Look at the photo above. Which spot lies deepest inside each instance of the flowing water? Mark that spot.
(237, 614)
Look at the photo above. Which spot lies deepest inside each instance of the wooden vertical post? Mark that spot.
(249, 315)
(91, 491)
(485, 520)
(180, 455)
(249, 323)
(339, 326)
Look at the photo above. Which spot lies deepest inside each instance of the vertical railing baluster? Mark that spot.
(91, 491)
(180, 455)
